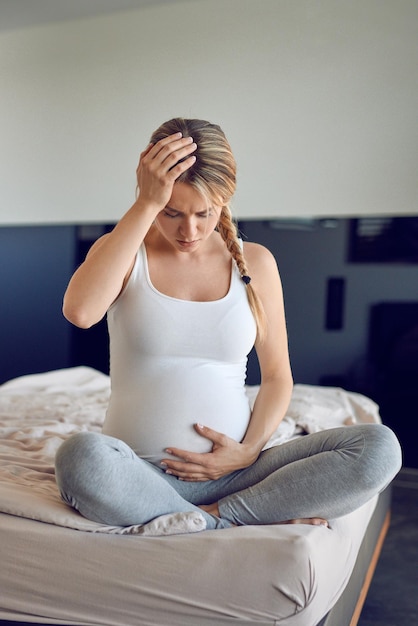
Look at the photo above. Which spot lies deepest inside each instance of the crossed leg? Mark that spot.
(308, 480)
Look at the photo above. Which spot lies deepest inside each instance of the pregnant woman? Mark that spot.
(185, 301)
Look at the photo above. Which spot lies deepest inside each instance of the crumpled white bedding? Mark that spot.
(39, 411)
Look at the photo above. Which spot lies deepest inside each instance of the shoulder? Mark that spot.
(262, 268)
(259, 258)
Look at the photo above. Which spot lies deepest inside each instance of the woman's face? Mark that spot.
(188, 219)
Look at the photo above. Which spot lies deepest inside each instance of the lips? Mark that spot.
(187, 244)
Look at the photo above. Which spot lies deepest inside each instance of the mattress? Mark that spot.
(59, 568)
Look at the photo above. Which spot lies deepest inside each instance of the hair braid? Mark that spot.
(228, 232)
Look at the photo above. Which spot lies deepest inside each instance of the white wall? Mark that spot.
(318, 99)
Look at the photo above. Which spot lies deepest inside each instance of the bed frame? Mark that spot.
(347, 611)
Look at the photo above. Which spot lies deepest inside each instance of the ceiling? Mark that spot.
(16, 14)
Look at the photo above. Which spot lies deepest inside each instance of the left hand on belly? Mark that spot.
(227, 456)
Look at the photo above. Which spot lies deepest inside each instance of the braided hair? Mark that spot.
(229, 233)
(214, 176)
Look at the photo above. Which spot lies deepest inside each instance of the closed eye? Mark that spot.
(170, 213)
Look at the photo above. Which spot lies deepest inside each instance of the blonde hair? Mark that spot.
(214, 176)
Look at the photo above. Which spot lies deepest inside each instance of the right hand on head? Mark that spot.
(159, 168)
(99, 280)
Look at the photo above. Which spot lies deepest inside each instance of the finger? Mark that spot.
(144, 154)
(189, 475)
(176, 158)
(173, 151)
(182, 165)
(162, 142)
(153, 149)
(181, 466)
(187, 458)
(209, 433)
(169, 139)
(170, 144)
(147, 149)
(194, 479)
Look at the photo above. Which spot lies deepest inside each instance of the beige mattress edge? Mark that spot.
(265, 575)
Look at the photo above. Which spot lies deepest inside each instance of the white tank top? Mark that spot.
(174, 363)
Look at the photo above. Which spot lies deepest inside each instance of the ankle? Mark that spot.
(212, 509)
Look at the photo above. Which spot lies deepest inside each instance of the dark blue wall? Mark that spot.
(35, 265)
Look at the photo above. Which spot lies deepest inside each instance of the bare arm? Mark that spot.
(100, 279)
(273, 354)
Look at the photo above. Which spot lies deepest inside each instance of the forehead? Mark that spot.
(186, 198)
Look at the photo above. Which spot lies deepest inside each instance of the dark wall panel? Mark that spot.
(35, 265)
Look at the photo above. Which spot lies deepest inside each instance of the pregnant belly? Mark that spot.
(151, 426)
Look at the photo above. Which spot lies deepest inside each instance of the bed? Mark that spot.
(59, 568)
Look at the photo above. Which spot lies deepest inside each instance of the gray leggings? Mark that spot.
(327, 474)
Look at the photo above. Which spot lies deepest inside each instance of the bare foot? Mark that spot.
(313, 521)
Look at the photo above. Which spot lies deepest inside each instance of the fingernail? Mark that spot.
(200, 426)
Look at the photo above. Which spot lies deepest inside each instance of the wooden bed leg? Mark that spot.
(370, 571)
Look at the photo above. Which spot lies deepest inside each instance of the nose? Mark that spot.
(188, 228)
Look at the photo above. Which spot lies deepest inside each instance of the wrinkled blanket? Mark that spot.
(39, 411)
